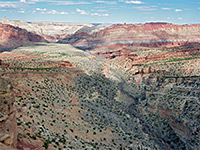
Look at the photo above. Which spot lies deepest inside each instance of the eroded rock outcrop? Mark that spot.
(8, 131)
(48, 30)
(11, 36)
(147, 35)
(171, 118)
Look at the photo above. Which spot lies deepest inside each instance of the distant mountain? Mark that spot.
(123, 35)
(49, 30)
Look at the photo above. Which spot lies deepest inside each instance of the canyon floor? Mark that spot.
(136, 98)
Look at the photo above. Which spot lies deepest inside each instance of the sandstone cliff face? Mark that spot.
(8, 129)
(147, 35)
(48, 30)
(11, 36)
(170, 118)
(52, 31)
(169, 109)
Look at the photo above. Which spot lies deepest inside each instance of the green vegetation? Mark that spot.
(85, 108)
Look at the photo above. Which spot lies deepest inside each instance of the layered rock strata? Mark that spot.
(127, 35)
(49, 30)
(11, 36)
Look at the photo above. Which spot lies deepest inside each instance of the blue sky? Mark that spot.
(102, 11)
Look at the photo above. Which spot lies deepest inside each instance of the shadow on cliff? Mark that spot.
(9, 49)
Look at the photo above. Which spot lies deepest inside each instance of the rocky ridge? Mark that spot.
(53, 31)
(146, 35)
(11, 36)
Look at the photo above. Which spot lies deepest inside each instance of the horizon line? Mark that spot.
(145, 22)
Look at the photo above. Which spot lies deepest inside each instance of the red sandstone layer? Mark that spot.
(147, 35)
(11, 36)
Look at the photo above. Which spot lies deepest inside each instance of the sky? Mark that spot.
(102, 11)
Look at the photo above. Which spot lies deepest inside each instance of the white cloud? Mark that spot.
(39, 0)
(21, 11)
(105, 15)
(39, 9)
(54, 12)
(166, 8)
(102, 10)
(59, 2)
(69, 3)
(146, 8)
(82, 12)
(97, 14)
(178, 10)
(23, 1)
(100, 7)
(106, 2)
(14, 4)
(132, 2)
(8, 5)
(199, 8)
(180, 18)
(63, 13)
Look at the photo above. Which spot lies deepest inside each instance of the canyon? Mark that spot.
(120, 86)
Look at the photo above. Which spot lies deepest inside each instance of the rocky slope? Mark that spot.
(8, 125)
(53, 31)
(140, 95)
(147, 35)
(11, 36)
(73, 99)
(170, 79)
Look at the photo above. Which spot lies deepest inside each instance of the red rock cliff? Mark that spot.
(11, 36)
(149, 34)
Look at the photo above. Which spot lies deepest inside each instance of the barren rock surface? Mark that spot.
(116, 96)
(147, 35)
(8, 126)
(11, 36)
(53, 31)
